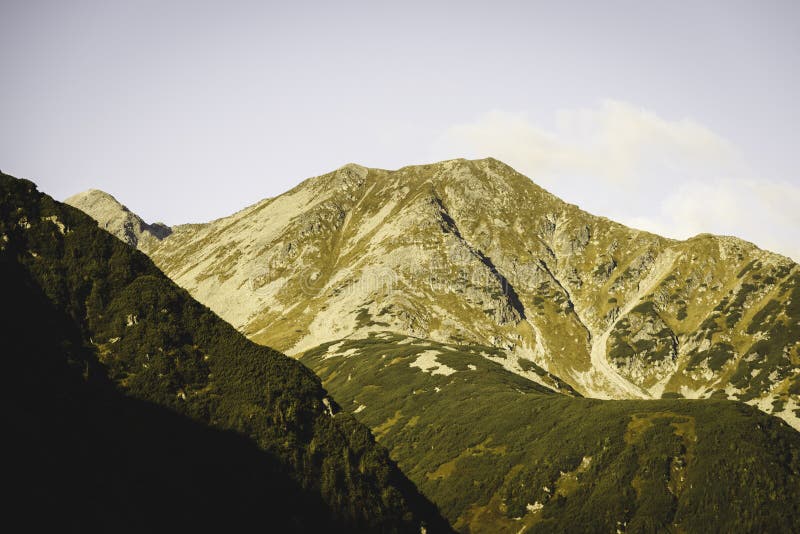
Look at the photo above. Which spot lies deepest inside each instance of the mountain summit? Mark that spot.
(117, 219)
(474, 252)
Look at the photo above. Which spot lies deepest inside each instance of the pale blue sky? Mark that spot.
(678, 117)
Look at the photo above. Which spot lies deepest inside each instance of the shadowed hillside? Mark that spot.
(134, 407)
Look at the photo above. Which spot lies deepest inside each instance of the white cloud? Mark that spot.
(613, 143)
(764, 212)
(674, 177)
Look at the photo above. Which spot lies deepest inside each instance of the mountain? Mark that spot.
(117, 219)
(464, 314)
(472, 252)
(130, 406)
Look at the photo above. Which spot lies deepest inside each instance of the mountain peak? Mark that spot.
(95, 196)
(353, 167)
(116, 218)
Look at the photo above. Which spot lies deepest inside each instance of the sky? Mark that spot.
(676, 117)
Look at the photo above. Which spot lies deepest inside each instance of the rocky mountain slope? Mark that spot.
(130, 406)
(474, 252)
(500, 453)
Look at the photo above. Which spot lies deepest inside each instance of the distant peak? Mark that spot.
(453, 162)
(353, 170)
(93, 196)
(353, 166)
(113, 216)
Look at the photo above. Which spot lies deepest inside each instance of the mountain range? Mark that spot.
(527, 364)
(474, 252)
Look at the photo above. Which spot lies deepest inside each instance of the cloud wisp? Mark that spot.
(674, 177)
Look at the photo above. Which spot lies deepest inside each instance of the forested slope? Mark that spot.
(132, 405)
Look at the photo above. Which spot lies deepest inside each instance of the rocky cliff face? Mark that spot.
(474, 252)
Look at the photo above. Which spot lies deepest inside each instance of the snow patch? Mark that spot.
(428, 363)
(333, 350)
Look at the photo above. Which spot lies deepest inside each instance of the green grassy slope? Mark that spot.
(499, 453)
(130, 405)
